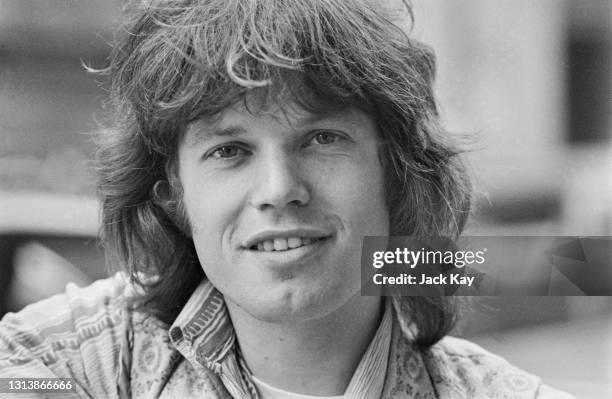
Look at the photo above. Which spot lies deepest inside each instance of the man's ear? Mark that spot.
(171, 203)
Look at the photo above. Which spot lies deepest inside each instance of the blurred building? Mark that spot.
(532, 81)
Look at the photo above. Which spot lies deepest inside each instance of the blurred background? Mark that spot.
(531, 80)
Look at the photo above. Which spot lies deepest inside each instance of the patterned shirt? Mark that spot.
(111, 351)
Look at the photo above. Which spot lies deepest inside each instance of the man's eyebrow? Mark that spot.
(200, 134)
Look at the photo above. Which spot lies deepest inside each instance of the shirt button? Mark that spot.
(176, 334)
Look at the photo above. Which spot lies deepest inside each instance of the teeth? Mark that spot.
(294, 242)
(282, 243)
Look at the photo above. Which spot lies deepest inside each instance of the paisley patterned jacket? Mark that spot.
(87, 334)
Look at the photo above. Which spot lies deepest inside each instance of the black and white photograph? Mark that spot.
(302, 199)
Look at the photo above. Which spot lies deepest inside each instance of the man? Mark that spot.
(256, 144)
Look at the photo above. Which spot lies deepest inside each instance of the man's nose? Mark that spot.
(279, 183)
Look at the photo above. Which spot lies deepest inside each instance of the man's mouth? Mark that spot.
(284, 243)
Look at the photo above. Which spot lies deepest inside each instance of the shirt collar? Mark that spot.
(369, 377)
(203, 328)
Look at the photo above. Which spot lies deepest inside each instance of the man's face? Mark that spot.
(279, 201)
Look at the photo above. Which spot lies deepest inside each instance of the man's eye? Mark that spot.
(227, 151)
(325, 137)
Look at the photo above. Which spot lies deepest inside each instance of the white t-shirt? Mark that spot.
(269, 392)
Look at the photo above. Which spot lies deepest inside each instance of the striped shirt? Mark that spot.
(110, 351)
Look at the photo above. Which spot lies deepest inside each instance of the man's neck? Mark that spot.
(315, 357)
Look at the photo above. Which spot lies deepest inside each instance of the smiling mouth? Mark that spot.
(285, 244)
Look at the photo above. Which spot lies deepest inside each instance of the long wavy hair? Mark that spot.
(176, 61)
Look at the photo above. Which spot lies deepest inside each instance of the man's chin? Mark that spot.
(291, 307)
